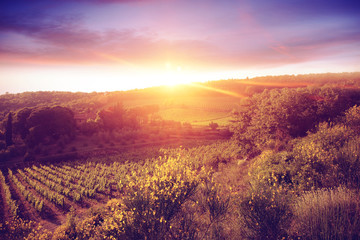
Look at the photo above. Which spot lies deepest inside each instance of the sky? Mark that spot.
(110, 45)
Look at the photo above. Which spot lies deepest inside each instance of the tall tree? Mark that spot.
(20, 122)
(8, 131)
(49, 124)
(113, 118)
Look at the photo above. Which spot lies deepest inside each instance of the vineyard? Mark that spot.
(60, 187)
(47, 194)
(183, 193)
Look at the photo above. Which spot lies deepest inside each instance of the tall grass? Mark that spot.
(327, 214)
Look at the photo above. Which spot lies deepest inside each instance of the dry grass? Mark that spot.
(327, 214)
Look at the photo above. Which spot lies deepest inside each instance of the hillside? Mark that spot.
(236, 88)
(264, 158)
(211, 100)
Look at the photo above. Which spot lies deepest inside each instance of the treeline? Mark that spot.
(274, 117)
(276, 110)
(24, 130)
(29, 127)
(94, 101)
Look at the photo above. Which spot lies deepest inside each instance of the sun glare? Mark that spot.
(173, 75)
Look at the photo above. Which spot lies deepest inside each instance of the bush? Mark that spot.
(213, 125)
(327, 214)
(317, 157)
(348, 161)
(152, 203)
(327, 158)
(23, 229)
(352, 118)
(215, 203)
(264, 213)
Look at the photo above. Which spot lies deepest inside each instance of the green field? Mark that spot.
(195, 110)
(195, 116)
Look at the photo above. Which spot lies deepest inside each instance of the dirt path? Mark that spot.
(234, 175)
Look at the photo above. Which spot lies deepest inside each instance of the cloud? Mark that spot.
(64, 39)
(58, 30)
(282, 12)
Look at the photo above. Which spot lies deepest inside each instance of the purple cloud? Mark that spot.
(253, 35)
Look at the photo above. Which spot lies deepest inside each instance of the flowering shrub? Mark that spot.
(23, 229)
(323, 159)
(155, 198)
(264, 213)
(214, 204)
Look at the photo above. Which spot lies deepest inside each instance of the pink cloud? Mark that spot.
(64, 40)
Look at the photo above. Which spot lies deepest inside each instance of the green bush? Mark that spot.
(327, 158)
(265, 211)
(352, 118)
(154, 199)
(348, 162)
(327, 214)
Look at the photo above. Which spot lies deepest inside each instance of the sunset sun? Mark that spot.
(119, 45)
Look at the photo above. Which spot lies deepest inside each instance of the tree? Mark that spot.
(113, 117)
(272, 118)
(20, 122)
(8, 131)
(89, 127)
(48, 124)
(213, 125)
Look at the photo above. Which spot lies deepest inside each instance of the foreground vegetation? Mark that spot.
(290, 171)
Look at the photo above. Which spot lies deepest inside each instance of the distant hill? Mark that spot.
(197, 95)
